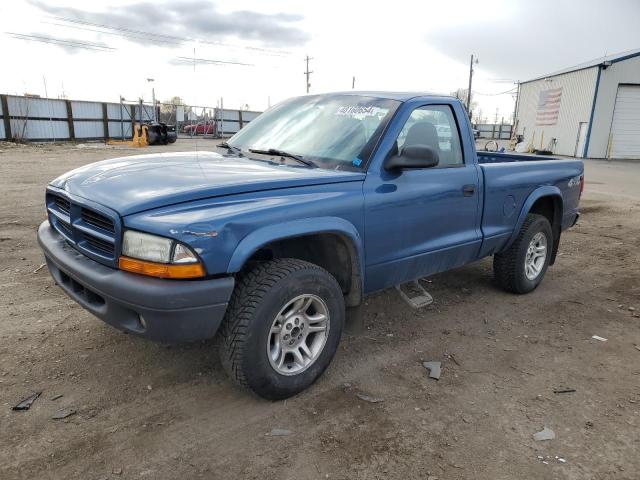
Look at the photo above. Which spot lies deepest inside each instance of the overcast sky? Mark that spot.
(101, 50)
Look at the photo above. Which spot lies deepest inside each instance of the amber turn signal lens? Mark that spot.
(161, 270)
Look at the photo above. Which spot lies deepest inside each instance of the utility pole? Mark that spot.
(307, 72)
(353, 83)
(153, 99)
(515, 105)
(470, 82)
(221, 117)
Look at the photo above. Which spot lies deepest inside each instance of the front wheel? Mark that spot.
(521, 267)
(282, 327)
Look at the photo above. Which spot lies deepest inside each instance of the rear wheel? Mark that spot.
(282, 327)
(521, 267)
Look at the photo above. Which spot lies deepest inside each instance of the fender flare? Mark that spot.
(296, 228)
(538, 193)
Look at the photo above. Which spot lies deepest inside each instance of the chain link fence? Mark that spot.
(206, 122)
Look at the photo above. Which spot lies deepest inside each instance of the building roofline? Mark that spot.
(615, 58)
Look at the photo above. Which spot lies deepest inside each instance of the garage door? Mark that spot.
(625, 128)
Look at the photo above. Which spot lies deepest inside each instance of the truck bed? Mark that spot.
(510, 179)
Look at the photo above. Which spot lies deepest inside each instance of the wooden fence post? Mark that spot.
(105, 121)
(5, 117)
(72, 130)
(133, 119)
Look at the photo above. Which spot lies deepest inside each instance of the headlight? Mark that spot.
(147, 247)
(158, 256)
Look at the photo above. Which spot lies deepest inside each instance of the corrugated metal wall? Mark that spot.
(40, 129)
(38, 118)
(86, 110)
(248, 116)
(48, 119)
(575, 106)
(37, 107)
(87, 120)
(620, 73)
(229, 120)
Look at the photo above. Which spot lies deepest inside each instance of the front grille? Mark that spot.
(97, 220)
(100, 245)
(92, 231)
(66, 228)
(63, 204)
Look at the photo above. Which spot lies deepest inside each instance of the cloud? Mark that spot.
(542, 37)
(169, 23)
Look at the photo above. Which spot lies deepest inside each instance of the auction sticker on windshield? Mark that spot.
(359, 111)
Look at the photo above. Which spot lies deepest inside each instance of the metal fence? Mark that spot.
(495, 131)
(47, 119)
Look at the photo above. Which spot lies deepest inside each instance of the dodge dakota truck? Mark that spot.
(274, 237)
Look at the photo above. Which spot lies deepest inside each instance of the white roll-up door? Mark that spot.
(625, 128)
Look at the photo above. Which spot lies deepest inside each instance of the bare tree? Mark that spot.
(461, 94)
(23, 106)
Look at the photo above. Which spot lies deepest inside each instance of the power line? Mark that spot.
(125, 35)
(209, 61)
(513, 90)
(59, 41)
(163, 38)
(120, 29)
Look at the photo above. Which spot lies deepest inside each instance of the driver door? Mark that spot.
(422, 221)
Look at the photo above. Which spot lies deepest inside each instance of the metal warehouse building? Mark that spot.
(591, 110)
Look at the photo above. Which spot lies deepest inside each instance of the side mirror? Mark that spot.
(413, 156)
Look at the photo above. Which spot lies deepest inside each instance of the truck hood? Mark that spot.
(142, 182)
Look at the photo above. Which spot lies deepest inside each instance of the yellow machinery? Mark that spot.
(140, 137)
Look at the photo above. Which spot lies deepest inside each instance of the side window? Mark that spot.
(435, 126)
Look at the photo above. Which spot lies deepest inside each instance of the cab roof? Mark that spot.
(400, 96)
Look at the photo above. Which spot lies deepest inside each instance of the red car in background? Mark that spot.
(200, 128)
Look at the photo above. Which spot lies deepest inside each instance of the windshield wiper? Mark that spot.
(283, 153)
(231, 148)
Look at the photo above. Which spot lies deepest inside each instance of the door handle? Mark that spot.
(469, 190)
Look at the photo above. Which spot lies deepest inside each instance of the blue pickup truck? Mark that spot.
(273, 238)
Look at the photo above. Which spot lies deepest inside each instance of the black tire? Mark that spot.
(509, 266)
(256, 301)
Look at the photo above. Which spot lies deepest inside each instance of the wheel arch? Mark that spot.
(545, 201)
(330, 242)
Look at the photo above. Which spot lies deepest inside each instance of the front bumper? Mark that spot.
(170, 311)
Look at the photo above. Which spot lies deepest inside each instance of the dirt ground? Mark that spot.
(145, 410)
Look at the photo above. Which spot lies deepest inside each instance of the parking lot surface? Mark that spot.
(144, 410)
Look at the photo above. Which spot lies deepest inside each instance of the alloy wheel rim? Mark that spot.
(536, 256)
(298, 334)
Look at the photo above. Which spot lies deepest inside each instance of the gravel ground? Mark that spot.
(144, 410)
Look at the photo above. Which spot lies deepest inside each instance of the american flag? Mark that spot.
(548, 106)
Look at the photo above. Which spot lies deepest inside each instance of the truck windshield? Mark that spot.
(333, 131)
